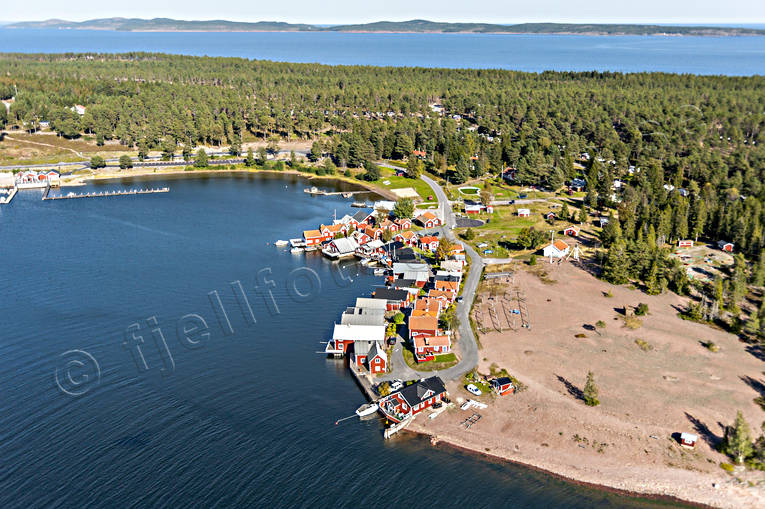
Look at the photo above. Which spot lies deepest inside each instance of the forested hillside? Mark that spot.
(703, 134)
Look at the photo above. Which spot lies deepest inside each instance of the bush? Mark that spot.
(644, 345)
(533, 260)
(469, 234)
(641, 309)
(348, 173)
(600, 324)
(727, 467)
(711, 346)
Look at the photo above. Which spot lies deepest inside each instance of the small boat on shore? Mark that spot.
(281, 243)
(297, 250)
(367, 409)
(379, 272)
(359, 205)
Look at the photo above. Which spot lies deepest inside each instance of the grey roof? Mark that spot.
(370, 303)
(391, 294)
(415, 394)
(345, 245)
(376, 350)
(363, 316)
(420, 275)
(361, 215)
(401, 267)
(363, 347)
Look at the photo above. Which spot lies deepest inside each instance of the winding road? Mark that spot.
(468, 346)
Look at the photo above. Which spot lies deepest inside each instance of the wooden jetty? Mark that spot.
(106, 194)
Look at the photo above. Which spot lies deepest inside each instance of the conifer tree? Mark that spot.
(590, 391)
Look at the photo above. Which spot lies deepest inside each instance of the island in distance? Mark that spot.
(411, 26)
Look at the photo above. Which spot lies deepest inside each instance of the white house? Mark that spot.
(557, 249)
(524, 212)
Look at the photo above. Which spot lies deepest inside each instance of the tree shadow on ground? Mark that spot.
(755, 384)
(572, 389)
(703, 430)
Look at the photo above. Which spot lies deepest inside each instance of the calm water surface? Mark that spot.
(698, 55)
(243, 419)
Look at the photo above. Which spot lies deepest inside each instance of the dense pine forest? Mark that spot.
(689, 148)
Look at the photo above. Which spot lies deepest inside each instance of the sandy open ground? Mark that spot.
(646, 395)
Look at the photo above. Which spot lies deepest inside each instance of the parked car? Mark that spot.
(522, 196)
(459, 299)
(472, 389)
(396, 385)
(392, 340)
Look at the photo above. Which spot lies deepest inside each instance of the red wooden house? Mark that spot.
(374, 233)
(427, 347)
(330, 231)
(550, 216)
(725, 246)
(313, 237)
(406, 237)
(571, 231)
(403, 223)
(685, 243)
(502, 386)
(428, 220)
(413, 399)
(429, 243)
(423, 326)
(388, 225)
(447, 297)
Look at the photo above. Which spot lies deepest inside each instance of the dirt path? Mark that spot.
(9, 137)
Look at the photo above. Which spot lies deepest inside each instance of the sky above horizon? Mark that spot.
(353, 11)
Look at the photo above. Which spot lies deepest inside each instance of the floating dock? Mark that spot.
(315, 191)
(6, 198)
(106, 194)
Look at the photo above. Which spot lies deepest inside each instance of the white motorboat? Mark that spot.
(379, 272)
(297, 250)
(281, 243)
(367, 409)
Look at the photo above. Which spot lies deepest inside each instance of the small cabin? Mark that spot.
(502, 386)
(524, 213)
(571, 231)
(550, 216)
(688, 440)
(725, 246)
(684, 243)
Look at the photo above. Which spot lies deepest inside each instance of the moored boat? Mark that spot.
(367, 409)
(281, 243)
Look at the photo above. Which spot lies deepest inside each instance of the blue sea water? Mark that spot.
(740, 56)
(105, 402)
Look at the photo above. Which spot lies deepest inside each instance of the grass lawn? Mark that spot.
(441, 361)
(423, 189)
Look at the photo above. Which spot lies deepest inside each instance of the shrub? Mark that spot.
(600, 324)
(641, 309)
(644, 345)
(727, 467)
(711, 346)
(532, 260)
(632, 322)
(608, 294)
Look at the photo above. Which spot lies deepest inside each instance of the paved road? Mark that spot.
(467, 342)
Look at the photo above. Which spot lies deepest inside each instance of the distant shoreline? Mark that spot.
(385, 32)
(415, 26)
